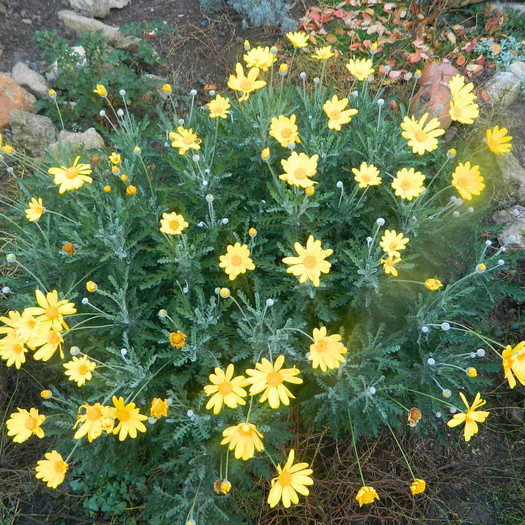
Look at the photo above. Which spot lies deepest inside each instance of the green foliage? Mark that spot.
(391, 327)
(259, 13)
(90, 58)
(509, 50)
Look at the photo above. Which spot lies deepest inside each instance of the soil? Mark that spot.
(201, 49)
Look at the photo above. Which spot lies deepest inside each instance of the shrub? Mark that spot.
(187, 253)
(259, 12)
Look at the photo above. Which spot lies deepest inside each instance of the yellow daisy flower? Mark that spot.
(326, 351)
(167, 88)
(433, 284)
(49, 341)
(51, 309)
(51, 470)
(35, 209)
(471, 418)
(392, 242)
(172, 223)
(366, 495)
(115, 158)
(94, 421)
(79, 369)
(260, 57)
(185, 140)
(514, 363)
(177, 339)
(244, 438)
(236, 260)
(225, 389)
(101, 90)
(269, 379)
(130, 419)
(389, 265)
(463, 109)
(418, 486)
(408, 183)
(421, 135)
(159, 408)
(310, 262)
(291, 479)
(24, 326)
(219, 107)
(467, 180)
(23, 424)
(497, 140)
(298, 39)
(324, 53)
(13, 351)
(298, 168)
(360, 68)
(336, 112)
(245, 84)
(366, 175)
(71, 178)
(284, 130)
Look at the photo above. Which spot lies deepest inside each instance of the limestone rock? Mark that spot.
(514, 219)
(513, 173)
(89, 140)
(91, 8)
(32, 133)
(82, 24)
(518, 68)
(503, 88)
(12, 97)
(118, 4)
(29, 79)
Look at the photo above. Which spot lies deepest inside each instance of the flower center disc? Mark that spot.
(285, 478)
(406, 184)
(123, 415)
(60, 467)
(300, 173)
(188, 139)
(93, 413)
(225, 388)
(30, 423)
(71, 173)
(321, 346)
(18, 349)
(236, 260)
(83, 370)
(274, 379)
(246, 429)
(53, 338)
(309, 261)
(246, 85)
(51, 312)
(286, 132)
(420, 135)
(174, 225)
(335, 114)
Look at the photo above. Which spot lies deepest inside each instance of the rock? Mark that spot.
(118, 4)
(462, 3)
(12, 97)
(514, 219)
(503, 88)
(31, 80)
(81, 24)
(513, 174)
(91, 8)
(517, 6)
(32, 133)
(518, 68)
(89, 140)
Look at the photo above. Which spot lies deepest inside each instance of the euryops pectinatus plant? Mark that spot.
(285, 247)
